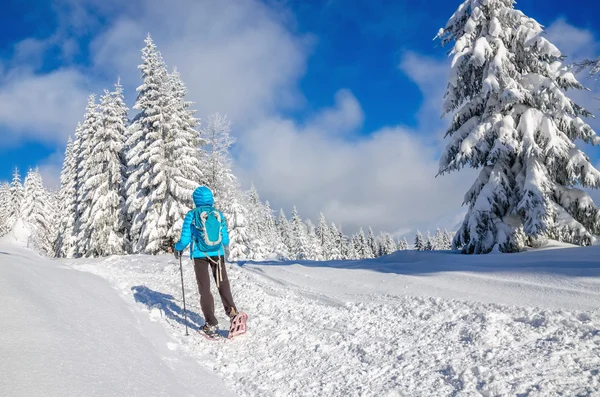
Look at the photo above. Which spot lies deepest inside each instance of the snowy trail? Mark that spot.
(68, 333)
(330, 330)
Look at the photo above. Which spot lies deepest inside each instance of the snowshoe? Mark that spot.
(238, 325)
(210, 332)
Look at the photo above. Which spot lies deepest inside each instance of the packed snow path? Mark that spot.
(412, 324)
(68, 333)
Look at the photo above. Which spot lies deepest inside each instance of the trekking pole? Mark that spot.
(183, 293)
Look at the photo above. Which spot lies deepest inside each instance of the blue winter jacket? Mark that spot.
(202, 196)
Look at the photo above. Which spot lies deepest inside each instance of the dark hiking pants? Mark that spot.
(201, 266)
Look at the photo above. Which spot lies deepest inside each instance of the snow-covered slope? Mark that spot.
(411, 324)
(68, 333)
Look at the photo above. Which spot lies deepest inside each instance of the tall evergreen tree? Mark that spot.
(38, 211)
(372, 246)
(285, 233)
(108, 227)
(419, 242)
(257, 227)
(362, 246)
(513, 120)
(85, 137)
(314, 250)
(163, 166)
(16, 198)
(144, 143)
(299, 246)
(67, 208)
(336, 248)
(5, 208)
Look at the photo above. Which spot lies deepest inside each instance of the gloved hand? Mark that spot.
(177, 253)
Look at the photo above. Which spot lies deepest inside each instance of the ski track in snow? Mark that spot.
(305, 341)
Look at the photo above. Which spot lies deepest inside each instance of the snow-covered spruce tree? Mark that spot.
(183, 168)
(513, 120)
(67, 205)
(257, 227)
(16, 198)
(144, 140)
(285, 234)
(362, 246)
(85, 137)
(387, 245)
(314, 250)
(272, 235)
(419, 242)
(354, 248)
(299, 243)
(5, 208)
(337, 243)
(39, 212)
(106, 178)
(373, 247)
(324, 237)
(162, 162)
(429, 243)
(405, 244)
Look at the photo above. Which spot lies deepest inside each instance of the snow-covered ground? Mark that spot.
(411, 324)
(68, 333)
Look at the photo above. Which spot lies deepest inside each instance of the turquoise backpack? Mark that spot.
(206, 229)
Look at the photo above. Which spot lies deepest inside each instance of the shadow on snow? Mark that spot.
(166, 303)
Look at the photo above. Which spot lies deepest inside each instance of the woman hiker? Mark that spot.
(205, 228)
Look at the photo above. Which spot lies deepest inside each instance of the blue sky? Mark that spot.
(354, 86)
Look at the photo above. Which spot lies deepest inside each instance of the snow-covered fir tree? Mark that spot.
(373, 247)
(419, 242)
(513, 120)
(16, 198)
(142, 144)
(429, 244)
(403, 244)
(387, 245)
(237, 221)
(361, 244)
(257, 227)
(5, 208)
(272, 235)
(106, 178)
(314, 248)
(285, 234)
(67, 206)
(39, 212)
(338, 245)
(354, 248)
(162, 157)
(85, 137)
(325, 238)
(299, 244)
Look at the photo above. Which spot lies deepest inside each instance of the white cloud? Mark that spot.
(574, 42)
(237, 58)
(386, 180)
(41, 107)
(50, 170)
(431, 76)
